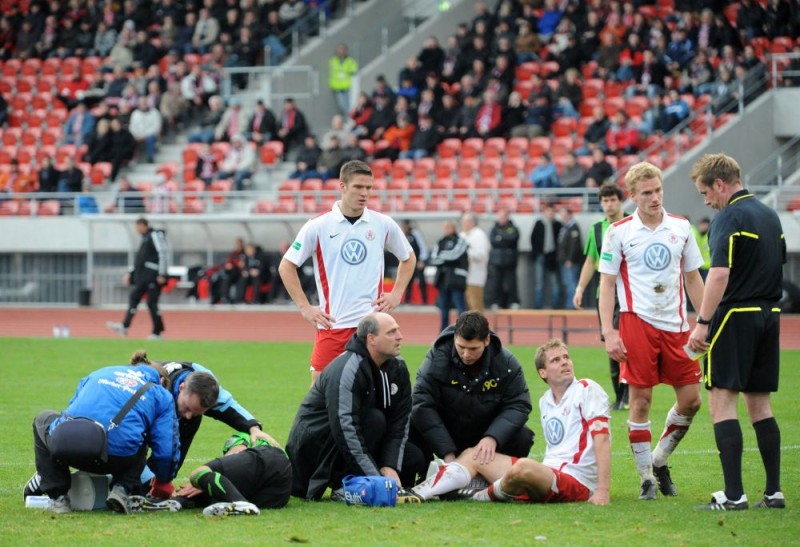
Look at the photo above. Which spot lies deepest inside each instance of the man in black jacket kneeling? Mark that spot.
(470, 392)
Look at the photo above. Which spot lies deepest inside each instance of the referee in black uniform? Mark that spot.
(739, 325)
(148, 277)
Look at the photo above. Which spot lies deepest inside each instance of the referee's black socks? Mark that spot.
(728, 434)
(769, 444)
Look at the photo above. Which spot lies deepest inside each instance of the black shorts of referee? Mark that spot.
(744, 351)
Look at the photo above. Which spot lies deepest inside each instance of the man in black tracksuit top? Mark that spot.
(148, 276)
(354, 420)
(470, 392)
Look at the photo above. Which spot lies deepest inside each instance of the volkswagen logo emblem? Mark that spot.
(354, 252)
(657, 256)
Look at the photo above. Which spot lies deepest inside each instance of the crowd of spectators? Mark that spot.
(127, 74)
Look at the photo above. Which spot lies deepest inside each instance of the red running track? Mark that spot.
(279, 324)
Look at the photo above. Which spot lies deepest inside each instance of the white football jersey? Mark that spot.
(348, 260)
(649, 265)
(570, 426)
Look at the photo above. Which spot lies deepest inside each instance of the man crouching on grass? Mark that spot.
(577, 461)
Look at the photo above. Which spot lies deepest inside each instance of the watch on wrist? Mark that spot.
(701, 321)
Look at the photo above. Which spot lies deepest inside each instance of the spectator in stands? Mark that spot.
(545, 174)
(173, 107)
(649, 77)
(751, 20)
(121, 55)
(452, 65)
(549, 20)
(168, 32)
(382, 88)
(573, 175)
(26, 39)
(464, 124)
(490, 114)
(105, 38)
(680, 50)
(307, 159)
(526, 44)
(352, 151)
(123, 146)
(197, 87)
(514, 115)
(538, 117)
(608, 53)
(408, 90)
(423, 143)
(233, 121)
(144, 52)
(206, 32)
(428, 105)
(272, 32)
(756, 69)
(341, 70)
(779, 18)
(361, 113)
(209, 121)
(255, 273)
(569, 94)
(380, 119)
(589, 33)
(232, 271)
(723, 96)
(48, 175)
(291, 12)
(431, 58)
(570, 254)
(292, 128)
(183, 38)
(145, 127)
(699, 75)
(546, 276)
(71, 179)
(79, 125)
(654, 119)
(15, 180)
(622, 137)
(595, 135)
(676, 111)
(206, 168)
(240, 162)
(331, 159)
(98, 144)
(48, 38)
(398, 135)
(261, 126)
(600, 171)
(571, 57)
(86, 204)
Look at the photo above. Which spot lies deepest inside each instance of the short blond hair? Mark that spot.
(641, 171)
(716, 166)
(540, 359)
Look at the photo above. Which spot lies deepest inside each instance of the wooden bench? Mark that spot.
(557, 320)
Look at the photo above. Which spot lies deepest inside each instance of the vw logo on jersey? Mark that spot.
(554, 431)
(657, 256)
(354, 252)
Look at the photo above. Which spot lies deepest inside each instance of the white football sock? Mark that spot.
(675, 428)
(451, 476)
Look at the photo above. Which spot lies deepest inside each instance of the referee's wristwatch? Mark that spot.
(701, 321)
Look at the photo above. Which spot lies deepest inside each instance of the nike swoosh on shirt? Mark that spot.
(334, 235)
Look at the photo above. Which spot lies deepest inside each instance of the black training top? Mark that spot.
(747, 237)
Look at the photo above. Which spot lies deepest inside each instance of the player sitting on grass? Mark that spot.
(245, 479)
(577, 461)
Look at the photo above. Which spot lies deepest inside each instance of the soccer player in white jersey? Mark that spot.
(652, 261)
(577, 460)
(347, 245)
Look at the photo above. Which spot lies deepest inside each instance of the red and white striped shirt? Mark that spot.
(348, 260)
(570, 426)
(649, 265)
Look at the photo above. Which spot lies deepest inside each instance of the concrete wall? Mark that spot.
(749, 139)
(786, 112)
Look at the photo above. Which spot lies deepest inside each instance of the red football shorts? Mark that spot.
(569, 489)
(328, 345)
(655, 356)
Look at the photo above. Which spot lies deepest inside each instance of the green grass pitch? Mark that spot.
(270, 380)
